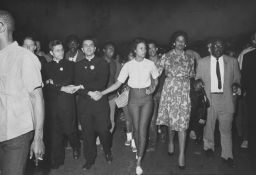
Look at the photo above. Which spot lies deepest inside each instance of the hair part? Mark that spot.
(178, 33)
(54, 43)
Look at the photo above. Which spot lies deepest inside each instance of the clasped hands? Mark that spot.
(96, 95)
(70, 89)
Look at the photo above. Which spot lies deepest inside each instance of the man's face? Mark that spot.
(141, 50)
(152, 50)
(29, 44)
(58, 52)
(73, 46)
(109, 51)
(217, 48)
(88, 47)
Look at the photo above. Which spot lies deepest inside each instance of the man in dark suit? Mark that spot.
(92, 75)
(60, 103)
(74, 53)
(219, 73)
(249, 90)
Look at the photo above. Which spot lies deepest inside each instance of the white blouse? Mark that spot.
(139, 73)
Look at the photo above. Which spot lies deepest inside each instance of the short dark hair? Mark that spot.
(178, 33)
(151, 42)
(135, 44)
(72, 38)
(54, 43)
(7, 19)
(109, 43)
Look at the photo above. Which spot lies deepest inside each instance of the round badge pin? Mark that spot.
(61, 69)
(92, 67)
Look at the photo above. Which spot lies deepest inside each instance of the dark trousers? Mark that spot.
(95, 124)
(140, 108)
(153, 126)
(61, 127)
(197, 127)
(14, 154)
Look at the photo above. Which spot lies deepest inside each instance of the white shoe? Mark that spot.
(127, 143)
(137, 156)
(139, 170)
(244, 144)
(98, 141)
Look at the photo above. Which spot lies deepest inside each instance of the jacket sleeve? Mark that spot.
(236, 72)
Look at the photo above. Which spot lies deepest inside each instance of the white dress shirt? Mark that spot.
(214, 79)
(139, 73)
(73, 58)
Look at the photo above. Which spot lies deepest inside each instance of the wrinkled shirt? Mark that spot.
(19, 76)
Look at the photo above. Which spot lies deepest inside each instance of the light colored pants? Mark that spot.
(112, 106)
(217, 112)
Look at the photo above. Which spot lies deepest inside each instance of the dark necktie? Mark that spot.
(218, 73)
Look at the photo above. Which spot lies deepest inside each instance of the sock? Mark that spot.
(129, 136)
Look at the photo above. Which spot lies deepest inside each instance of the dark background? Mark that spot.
(122, 20)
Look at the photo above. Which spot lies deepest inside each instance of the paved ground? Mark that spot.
(155, 163)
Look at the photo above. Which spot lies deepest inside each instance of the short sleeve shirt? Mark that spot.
(19, 76)
(139, 73)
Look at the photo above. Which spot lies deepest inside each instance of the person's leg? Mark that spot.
(209, 128)
(153, 128)
(134, 111)
(145, 115)
(171, 134)
(128, 123)
(57, 144)
(112, 106)
(182, 141)
(225, 126)
(14, 154)
(89, 140)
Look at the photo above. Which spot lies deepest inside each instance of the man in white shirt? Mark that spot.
(22, 104)
(219, 73)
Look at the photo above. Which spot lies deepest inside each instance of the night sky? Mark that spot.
(120, 20)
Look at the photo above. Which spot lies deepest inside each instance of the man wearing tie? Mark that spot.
(219, 73)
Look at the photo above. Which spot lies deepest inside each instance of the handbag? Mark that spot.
(122, 99)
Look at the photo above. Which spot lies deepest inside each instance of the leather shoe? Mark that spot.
(87, 166)
(209, 153)
(229, 162)
(170, 153)
(182, 167)
(76, 154)
(109, 158)
(55, 166)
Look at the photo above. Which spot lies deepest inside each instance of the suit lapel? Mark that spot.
(208, 71)
(225, 71)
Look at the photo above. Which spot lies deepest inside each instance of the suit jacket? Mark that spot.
(80, 56)
(231, 75)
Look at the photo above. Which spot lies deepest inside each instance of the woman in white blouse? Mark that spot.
(142, 80)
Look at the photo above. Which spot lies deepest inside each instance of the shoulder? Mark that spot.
(229, 58)
(250, 53)
(204, 60)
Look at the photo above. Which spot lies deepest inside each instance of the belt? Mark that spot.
(220, 93)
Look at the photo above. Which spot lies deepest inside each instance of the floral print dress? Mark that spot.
(175, 106)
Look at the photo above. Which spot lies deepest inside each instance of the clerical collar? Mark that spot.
(89, 58)
(57, 61)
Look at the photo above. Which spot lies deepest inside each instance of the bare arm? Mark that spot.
(112, 88)
(37, 146)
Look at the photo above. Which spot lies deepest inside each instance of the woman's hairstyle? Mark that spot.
(135, 44)
(176, 34)
(54, 43)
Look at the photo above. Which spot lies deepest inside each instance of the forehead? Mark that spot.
(218, 43)
(151, 45)
(58, 47)
(88, 42)
(109, 46)
(180, 38)
(28, 41)
(141, 45)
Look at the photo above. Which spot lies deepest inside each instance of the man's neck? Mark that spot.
(5, 41)
(89, 57)
(108, 59)
(153, 58)
(56, 60)
(73, 53)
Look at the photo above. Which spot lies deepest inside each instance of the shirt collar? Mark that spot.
(214, 58)
(9, 47)
(89, 58)
(56, 61)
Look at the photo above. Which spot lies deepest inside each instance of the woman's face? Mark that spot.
(141, 50)
(180, 43)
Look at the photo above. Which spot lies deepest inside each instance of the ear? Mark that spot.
(82, 50)
(2, 27)
(51, 53)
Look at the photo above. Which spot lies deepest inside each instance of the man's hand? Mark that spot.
(95, 95)
(70, 89)
(37, 149)
(201, 121)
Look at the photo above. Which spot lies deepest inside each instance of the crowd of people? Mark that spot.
(70, 95)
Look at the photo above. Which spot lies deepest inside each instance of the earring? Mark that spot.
(185, 45)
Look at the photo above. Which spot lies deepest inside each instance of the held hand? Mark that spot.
(70, 89)
(201, 121)
(95, 95)
(149, 91)
(37, 149)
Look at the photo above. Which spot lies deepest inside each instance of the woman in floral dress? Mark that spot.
(175, 106)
